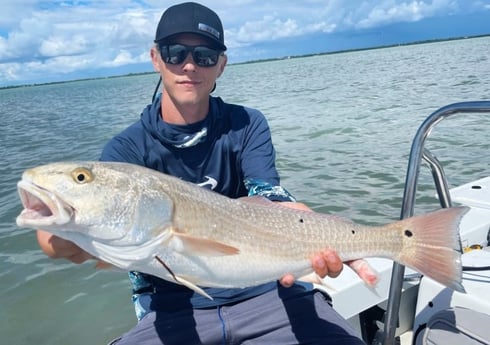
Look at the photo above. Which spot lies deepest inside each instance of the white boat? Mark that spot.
(404, 308)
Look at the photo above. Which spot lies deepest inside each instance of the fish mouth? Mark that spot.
(42, 208)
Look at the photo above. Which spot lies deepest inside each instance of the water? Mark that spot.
(342, 125)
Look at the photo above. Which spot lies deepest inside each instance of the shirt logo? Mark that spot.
(192, 140)
(209, 182)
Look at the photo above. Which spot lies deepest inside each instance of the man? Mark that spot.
(187, 133)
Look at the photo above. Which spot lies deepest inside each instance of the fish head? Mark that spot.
(101, 201)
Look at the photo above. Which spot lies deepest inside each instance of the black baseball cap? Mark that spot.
(191, 17)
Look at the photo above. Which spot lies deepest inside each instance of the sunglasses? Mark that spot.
(175, 54)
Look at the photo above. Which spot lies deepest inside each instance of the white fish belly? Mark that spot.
(237, 271)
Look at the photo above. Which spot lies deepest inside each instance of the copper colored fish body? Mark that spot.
(138, 219)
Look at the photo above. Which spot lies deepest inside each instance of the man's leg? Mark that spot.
(178, 327)
(298, 318)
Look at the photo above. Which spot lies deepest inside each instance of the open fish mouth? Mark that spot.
(42, 208)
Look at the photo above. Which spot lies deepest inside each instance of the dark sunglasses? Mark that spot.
(175, 54)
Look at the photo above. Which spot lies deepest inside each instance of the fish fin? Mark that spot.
(191, 286)
(200, 246)
(183, 281)
(431, 245)
(364, 270)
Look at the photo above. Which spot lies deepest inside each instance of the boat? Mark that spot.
(409, 309)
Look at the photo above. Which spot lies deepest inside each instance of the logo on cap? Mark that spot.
(208, 29)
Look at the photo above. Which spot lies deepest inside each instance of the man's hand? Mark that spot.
(56, 247)
(328, 263)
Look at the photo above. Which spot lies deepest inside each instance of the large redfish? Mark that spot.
(139, 219)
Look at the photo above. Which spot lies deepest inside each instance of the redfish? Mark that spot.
(138, 219)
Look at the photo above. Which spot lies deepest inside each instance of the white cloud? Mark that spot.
(387, 12)
(268, 28)
(43, 37)
(10, 71)
(62, 45)
(14, 11)
(126, 57)
(67, 38)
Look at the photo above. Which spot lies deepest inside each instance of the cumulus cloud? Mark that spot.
(387, 12)
(66, 38)
(291, 19)
(43, 37)
(271, 28)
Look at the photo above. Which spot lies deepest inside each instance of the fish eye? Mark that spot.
(82, 175)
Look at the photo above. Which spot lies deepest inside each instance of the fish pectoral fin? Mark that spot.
(185, 243)
(191, 286)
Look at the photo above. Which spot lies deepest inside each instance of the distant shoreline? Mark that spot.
(257, 61)
(363, 49)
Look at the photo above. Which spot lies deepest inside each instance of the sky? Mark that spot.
(49, 41)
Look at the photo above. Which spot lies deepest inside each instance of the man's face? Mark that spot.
(187, 83)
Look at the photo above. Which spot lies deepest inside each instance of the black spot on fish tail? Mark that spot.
(353, 232)
(301, 220)
(166, 267)
(408, 233)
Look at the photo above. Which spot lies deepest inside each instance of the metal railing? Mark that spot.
(418, 153)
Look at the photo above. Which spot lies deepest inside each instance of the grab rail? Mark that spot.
(416, 154)
(439, 178)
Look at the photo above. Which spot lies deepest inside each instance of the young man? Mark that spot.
(187, 133)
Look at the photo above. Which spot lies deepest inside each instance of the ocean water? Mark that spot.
(342, 125)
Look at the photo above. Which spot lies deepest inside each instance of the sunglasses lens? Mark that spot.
(175, 54)
(204, 56)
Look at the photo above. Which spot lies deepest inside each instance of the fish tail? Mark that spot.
(431, 245)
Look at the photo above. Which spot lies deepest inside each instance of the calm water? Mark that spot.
(342, 125)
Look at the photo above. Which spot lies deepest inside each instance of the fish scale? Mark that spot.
(275, 229)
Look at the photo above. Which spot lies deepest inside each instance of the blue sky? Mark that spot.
(45, 41)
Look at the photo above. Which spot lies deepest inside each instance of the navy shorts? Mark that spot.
(306, 317)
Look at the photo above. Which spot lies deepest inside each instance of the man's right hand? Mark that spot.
(56, 247)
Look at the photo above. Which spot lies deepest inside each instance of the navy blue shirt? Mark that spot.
(230, 152)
